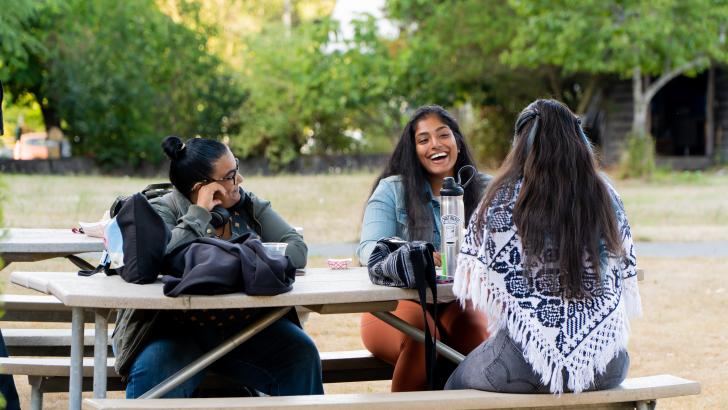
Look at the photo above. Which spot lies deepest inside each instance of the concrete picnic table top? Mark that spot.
(318, 288)
(34, 244)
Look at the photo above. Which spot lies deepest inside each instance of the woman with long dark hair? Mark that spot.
(405, 203)
(549, 258)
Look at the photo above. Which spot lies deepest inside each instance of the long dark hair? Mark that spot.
(191, 161)
(564, 204)
(404, 162)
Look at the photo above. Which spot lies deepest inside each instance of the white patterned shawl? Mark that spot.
(579, 336)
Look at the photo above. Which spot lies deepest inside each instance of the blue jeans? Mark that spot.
(7, 385)
(281, 360)
(498, 365)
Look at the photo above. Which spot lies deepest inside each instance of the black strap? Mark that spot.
(424, 270)
(104, 265)
(164, 186)
(87, 272)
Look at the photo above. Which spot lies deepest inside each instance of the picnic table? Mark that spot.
(321, 290)
(33, 244)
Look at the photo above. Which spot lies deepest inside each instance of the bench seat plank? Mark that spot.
(341, 366)
(45, 337)
(50, 366)
(632, 390)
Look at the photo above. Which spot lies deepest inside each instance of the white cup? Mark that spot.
(275, 248)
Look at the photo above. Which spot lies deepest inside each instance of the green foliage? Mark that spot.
(487, 135)
(307, 90)
(16, 40)
(118, 76)
(614, 36)
(669, 176)
(121, 75)
(450, 54)
(643, 37)
(120, 101)
(638, 159)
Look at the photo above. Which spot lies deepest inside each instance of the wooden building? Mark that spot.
(688, 118)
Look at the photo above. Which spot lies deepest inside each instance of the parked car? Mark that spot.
(33, 145)
(6, 152)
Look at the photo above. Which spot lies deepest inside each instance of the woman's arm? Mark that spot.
(276, 229)
(380, 221)
(188, 227)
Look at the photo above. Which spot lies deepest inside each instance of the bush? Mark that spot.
(489, 134)
(638, 159)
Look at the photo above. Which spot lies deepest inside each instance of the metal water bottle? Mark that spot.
(452, 216)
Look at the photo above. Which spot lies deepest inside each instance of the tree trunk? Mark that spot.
(642, 94)
(587, 95)
(640, 104)
(51, 117)
(554, 83)
(709, 113)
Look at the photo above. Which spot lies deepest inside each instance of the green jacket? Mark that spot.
(188, 222)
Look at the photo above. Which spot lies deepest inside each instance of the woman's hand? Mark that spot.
(438, 258)
(209, 195)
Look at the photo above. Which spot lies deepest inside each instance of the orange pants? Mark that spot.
(461, 329)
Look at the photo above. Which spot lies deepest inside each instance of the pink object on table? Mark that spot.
(338, 263)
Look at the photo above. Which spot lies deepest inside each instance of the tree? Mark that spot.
(16, 41)
(309, 90)
(651, 42)
(118, 76)
(450, 56)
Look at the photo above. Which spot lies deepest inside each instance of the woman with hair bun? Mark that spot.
(207, 201)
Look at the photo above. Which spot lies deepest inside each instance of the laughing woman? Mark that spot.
(404, 203)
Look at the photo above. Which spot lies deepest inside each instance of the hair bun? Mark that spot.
(173, 147)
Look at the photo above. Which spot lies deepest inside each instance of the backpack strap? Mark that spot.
(423, 266)
(156, 190)
(103, 265)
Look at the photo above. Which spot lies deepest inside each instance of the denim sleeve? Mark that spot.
(380, 220)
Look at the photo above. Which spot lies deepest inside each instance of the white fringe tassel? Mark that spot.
(590, 358)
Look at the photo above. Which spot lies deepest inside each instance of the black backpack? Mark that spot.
(135, 239)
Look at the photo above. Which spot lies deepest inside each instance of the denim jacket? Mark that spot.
(386, 216)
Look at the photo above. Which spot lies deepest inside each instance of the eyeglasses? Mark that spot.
(230, 177)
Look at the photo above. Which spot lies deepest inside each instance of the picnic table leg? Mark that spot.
(76, 379)
(646, 404)
(100, 346)
(418, 335)
(82, 264)
(218, 352)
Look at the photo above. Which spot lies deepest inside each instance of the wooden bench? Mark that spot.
(51, 374)
(635, 393)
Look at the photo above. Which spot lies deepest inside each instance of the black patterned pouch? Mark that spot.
(203, 318)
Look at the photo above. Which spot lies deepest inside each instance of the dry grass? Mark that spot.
(329, 208)
(677, 207)
(683, 299)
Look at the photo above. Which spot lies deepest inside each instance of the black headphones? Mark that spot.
(220, 216)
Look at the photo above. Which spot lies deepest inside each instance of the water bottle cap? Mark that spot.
(451, 188)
